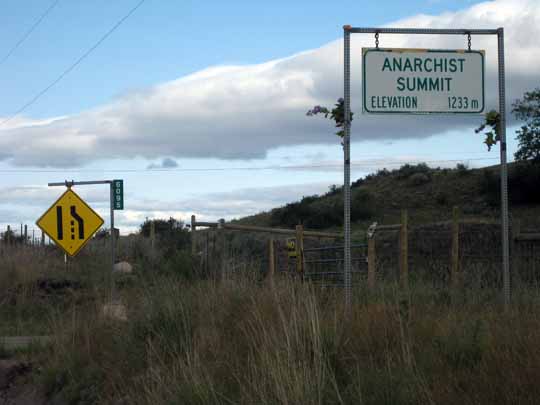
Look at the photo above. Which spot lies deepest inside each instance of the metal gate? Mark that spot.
(324, 264)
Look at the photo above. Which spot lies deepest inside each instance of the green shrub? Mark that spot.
(362, 206)
(408, 170)
(418, 179)
(523, 181)
(441, 198)
(462, 169)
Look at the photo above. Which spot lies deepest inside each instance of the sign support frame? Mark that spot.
(499, 32)
(72, 183)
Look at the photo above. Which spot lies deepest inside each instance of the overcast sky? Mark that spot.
(200, 107)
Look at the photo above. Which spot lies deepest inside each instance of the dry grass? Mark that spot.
(27, 295)
(239, 341)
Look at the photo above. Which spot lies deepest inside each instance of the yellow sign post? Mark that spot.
(70, 222)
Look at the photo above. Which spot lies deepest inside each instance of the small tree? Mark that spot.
(528, 136)
(171, 232)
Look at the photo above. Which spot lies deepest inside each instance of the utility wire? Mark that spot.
(74, 64)
(27, 33)
(245, 168)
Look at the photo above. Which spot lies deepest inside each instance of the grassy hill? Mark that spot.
(428, 193)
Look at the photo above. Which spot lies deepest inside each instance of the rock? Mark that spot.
(123, 267)
(115, 311)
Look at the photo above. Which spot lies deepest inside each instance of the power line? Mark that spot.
(27, 33)
(75, 64)
(366, 164)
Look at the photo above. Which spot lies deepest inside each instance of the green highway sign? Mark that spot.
(118, 194)
(422, 81)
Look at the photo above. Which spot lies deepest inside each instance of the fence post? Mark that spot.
(271, 263)
(221, 248)
(454, 270)
(8, 235)
(193, 240)
(372, 262)
(42, 238)
(300, 249)
(25, 241)
(152, 235)
(404, 251)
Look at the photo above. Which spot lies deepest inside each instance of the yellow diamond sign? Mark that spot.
(70, 222)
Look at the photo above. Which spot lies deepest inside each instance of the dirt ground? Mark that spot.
(16, 385)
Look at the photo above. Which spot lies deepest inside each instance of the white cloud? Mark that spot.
(43, 196)
(234, 112)
(26, 204)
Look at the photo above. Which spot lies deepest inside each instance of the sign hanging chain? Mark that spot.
(469, 41)
(376, 40)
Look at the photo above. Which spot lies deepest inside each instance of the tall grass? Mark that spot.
(241, 342)
(26, 294)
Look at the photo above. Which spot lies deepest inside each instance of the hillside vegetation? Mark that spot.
(428, 193)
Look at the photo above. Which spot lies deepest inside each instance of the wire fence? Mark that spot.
(22, 233)
(441, 253)
(446, 253)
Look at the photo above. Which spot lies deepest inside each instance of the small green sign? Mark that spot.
(118, 194)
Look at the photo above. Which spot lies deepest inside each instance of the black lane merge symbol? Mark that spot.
(80, 222)
(59, 228)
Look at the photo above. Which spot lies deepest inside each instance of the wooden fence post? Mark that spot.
(152, 235)
(404, 251)
(8, 234)
(42, 238)
(372, 262)
(271, 263)
(221, 248)
(300, 249)
(25, 241)
(454, 270)
(193, 240)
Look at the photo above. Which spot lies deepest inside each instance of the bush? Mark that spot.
(408, 170)
(362, 206)
(418, 179)
(172, 234)
(491, 187)
(326, 214)
(334, 190)
(523, 181)
(442, 198)
(462, 169)
(292, 214)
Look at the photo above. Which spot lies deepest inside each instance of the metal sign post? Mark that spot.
(112, 188)
(113, 242)
(347, 170)
(347, 31)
